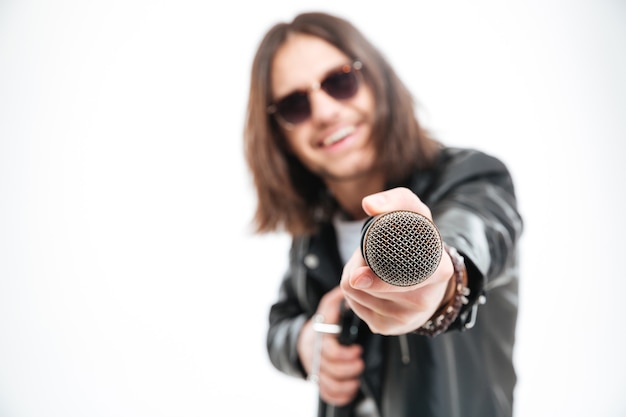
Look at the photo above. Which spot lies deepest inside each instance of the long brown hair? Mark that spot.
(289, 196)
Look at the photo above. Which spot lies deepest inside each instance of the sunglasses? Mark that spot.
(295, 108)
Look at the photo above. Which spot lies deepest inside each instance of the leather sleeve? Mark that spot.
(475, 208)
(286, 318)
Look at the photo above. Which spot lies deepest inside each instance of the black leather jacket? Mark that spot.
(467, 371)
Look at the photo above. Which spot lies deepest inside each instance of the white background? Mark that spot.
(130, 285)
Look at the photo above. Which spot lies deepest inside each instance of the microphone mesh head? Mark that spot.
(402, 247)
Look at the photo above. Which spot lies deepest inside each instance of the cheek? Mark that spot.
(365, 103)
(294, 141)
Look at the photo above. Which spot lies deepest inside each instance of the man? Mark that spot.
(332, 139)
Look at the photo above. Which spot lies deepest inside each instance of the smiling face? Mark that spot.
(335, 141)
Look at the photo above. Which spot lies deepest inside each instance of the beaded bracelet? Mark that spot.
(444, 316)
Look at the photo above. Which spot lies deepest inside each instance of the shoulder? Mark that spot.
(454, 158)
(461, 167)
(462, 164)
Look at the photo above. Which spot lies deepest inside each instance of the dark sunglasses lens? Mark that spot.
(294, 108)
(341, 85)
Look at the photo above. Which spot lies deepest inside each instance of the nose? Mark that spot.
(324, 108)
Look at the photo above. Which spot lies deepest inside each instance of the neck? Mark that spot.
(350, 193)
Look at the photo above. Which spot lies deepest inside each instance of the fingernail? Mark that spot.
(378, 199)
(363, 282)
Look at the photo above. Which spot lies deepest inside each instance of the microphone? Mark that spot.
(402, 247)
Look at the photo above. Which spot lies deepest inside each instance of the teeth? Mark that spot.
(338, 135)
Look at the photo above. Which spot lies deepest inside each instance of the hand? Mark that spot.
(389, 309)
(340, 366)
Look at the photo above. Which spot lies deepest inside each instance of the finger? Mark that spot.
(371, 308)
(331, 298)
(364, 279)
(343, 370)
(383, 316)
(329, 306)
(334, 351)
(338, 393)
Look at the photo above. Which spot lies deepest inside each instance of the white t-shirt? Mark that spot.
(348, 235)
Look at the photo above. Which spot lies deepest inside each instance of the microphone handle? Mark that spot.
(349, 324)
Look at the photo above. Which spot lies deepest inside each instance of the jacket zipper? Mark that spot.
(404, 349)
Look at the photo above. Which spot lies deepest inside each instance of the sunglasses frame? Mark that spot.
(353, 67)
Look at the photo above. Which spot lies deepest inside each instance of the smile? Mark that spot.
(338, 135)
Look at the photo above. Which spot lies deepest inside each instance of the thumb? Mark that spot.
(400, 198)
(330, 305)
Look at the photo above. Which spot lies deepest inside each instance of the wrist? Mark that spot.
(448, 296)
(455, 297)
